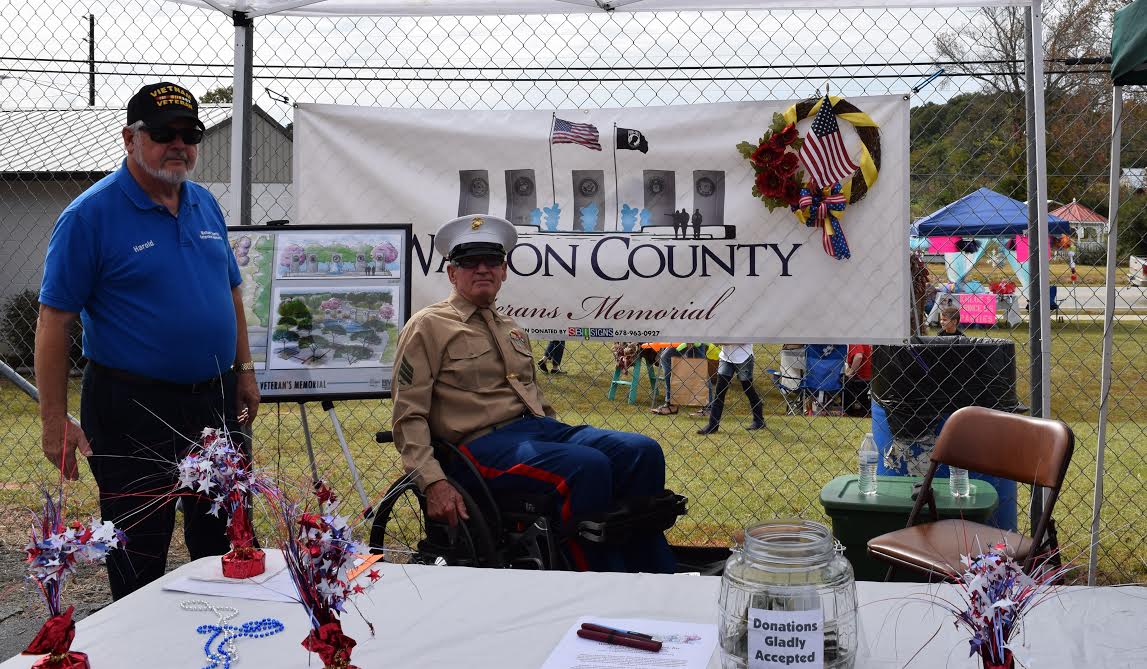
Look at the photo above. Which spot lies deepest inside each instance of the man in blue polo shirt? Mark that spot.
(142, 259)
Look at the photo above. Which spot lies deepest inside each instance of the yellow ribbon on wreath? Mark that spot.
(861, 182)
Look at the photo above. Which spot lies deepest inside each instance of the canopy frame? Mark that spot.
(1040, 319)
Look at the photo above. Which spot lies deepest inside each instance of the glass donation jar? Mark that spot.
(788, 566)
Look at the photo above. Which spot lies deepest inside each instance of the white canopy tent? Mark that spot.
(257, 8)
(244, 12)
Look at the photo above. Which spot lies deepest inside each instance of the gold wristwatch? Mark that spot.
(241, 367)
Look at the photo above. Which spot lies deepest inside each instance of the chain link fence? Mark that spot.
(968, 132)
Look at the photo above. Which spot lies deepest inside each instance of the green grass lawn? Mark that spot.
(731, 478)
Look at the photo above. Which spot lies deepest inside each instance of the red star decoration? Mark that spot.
(358, 589)
(325, 494)
(373, 575)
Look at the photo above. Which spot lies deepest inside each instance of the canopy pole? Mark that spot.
(241, 120)
(1044, 233)
(1039, 299)
(1108, 322)
(1035, 265)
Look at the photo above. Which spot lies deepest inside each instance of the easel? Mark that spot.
(329, 407)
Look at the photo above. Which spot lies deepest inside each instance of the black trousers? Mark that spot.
(138, 432)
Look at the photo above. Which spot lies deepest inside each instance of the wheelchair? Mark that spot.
(519, 531)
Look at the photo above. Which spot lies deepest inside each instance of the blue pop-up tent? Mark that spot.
(987, 217)
(984, 213)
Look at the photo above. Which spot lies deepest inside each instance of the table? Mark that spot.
(506, 619)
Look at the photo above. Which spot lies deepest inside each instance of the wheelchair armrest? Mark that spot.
(647, 514)
(384, 437)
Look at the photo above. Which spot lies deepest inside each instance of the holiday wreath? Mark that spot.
(814, 175)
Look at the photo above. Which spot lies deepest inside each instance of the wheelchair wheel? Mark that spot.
(403, 533)
(399, 524)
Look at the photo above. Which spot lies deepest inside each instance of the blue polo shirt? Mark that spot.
(153, 290)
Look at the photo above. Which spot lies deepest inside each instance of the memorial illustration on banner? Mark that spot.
(642, 223)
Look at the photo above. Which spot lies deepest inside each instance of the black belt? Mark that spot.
(477, 434)
(141, 380)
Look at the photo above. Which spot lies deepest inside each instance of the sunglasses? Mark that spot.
(167, 134)
(471, 262)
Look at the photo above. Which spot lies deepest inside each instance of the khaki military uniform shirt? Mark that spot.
(450, 381)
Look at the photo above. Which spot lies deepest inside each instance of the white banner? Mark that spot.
(599, 254)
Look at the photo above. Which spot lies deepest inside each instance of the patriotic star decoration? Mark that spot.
(56, 548)
(318, 550)
(997, 593)
(218, 470)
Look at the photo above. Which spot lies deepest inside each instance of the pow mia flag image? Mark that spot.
(632, 140)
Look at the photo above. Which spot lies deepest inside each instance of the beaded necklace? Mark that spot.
(222, 636)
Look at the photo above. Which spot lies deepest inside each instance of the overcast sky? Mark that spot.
(794, 53)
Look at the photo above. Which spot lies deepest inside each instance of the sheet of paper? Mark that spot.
(684, 646)
(277, 588)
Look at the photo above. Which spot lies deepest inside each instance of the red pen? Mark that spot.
(620, 640)
(612, 630)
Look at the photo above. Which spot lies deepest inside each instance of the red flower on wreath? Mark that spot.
(788, 164)
(789, 134)
(776, 180)
(792, 194)
(774, 185)
(762, 155)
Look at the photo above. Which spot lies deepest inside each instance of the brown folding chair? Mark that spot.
(1026, 450)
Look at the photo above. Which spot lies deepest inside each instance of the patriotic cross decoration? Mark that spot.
(568, 132)
(822, 155)
(819, 205)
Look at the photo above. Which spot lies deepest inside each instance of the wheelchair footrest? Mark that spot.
(635, 516)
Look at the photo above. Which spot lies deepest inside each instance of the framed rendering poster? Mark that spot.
(324, 305)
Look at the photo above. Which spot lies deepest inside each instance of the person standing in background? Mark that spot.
(551, 361)
(735, 360)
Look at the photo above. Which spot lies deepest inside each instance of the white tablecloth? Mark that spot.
(475, 618)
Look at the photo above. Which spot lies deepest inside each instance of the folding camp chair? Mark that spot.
(790, 389)
(824, 365)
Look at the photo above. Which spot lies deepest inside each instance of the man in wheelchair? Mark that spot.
(465, 375)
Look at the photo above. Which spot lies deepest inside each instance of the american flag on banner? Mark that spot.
(822, 155)
(565, 132)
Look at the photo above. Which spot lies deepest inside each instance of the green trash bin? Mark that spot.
(857, 518)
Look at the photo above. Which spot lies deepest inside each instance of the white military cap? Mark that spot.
(475, 235)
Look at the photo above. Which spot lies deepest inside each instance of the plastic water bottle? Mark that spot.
(866, 459)
(958, 482)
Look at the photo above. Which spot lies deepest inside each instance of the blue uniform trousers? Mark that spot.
(588, 470)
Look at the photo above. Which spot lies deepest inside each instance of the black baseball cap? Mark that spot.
(159, 104)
